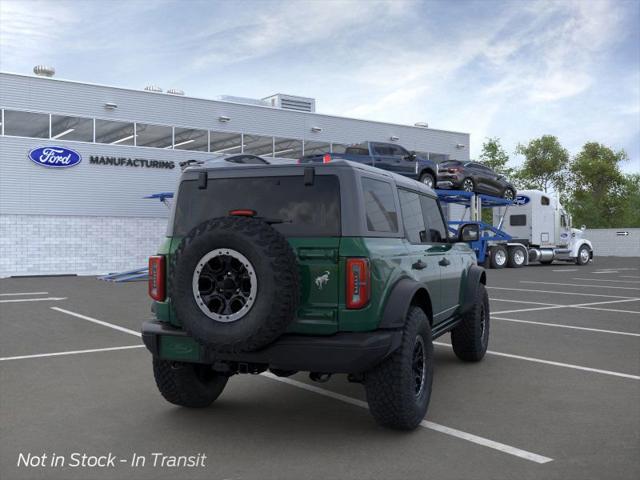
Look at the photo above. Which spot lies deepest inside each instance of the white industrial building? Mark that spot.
(90, 217)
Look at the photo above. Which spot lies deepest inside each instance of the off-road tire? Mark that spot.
(188, 384)
(276, 271)
(579, 259)
(512, 262)
(495, 256)
(428, 176)
(391, 387)
(469, 338)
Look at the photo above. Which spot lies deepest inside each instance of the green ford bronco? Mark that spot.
(332, 268)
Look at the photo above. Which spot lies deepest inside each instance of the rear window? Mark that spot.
(450, 163)
(306, 210)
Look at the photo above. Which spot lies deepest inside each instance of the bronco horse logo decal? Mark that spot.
(322, 280)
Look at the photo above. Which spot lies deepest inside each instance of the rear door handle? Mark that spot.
(419, 265)
(444, 262)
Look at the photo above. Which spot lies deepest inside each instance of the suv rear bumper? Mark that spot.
(346, 352)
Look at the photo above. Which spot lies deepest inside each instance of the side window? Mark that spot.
(544, 201)
(436, 230)
(563, 220)
(518, 220)
(398, 151)
(412, 216)
(381, 149)
(380, 207)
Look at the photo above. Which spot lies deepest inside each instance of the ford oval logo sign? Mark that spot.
(521, 200)
(55, 157)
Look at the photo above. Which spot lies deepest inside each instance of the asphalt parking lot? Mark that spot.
(556, 397)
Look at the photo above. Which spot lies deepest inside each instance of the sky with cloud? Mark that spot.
(510, 69)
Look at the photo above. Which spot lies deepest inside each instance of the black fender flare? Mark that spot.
(475, 276)
(400, 299)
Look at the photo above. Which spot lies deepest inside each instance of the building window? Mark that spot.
(26, 124)
(316, 148)
(380, 206)
(438, 157)
(258, 145)
(191, 139)
(287, 148)
(71, 128)
(114, 133)
(338, 148)
(157, 136)
(225, 143)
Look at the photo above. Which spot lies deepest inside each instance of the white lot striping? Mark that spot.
(434, 426)
(99, 322)
(567, 270)
(611, 310)
(559, 293)
(610, 271)
(580, 285)
(556, 364)
(576, 305)
(523, 301)
(606, 280)
(426, 424)
(20, 300)
(71, 352)
(629, 276)
(597, 330)
(23, 293)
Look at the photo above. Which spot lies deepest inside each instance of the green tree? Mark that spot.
(630, 216)
(599, 194)
(495, 157)
(544, 166)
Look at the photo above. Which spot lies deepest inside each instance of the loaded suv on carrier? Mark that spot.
(329, 268)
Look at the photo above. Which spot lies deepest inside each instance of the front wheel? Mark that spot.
(428, 180)
(470, 338)
(399, 389)
(188, 384)
(584, 255)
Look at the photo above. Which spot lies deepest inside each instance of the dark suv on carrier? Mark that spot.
(330, 268)
(474, 177)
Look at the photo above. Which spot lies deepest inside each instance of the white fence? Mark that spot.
(615, 242)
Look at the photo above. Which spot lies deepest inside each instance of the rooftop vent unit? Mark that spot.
(421, 124)
(245, 100)
(44, 71)
(153, 88)
(291, 102)
(175, 91)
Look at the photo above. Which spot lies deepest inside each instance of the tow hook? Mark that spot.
(320, 377)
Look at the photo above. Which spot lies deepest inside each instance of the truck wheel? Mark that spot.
(234, 284)
(583, 255)
(428, 180)
(470, 337)
(188, 384)
(498, 255)
(517, 257)
(398, 389)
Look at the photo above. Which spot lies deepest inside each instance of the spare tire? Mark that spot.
(234, 284)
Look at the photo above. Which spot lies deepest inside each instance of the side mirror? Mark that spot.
(583, 228)
(469, 232)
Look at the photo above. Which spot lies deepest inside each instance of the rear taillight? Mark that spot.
(157, 277)
(453, 170)
(358, 291)
(242, 212)
(326, 158)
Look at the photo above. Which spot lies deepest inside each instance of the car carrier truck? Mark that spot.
(532, 228)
